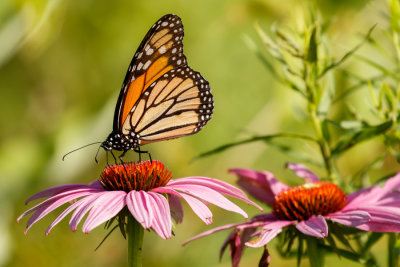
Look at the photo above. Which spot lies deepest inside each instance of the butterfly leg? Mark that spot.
(121, 156)
(112, 154)
(137, 150)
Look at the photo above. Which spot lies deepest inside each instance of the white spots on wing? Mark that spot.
(175, 31)
(146, 93)
(147, 47)
(140, 65)
(174, 50)
(149, 52)
(177, 38)
(172, 25)
(164, 24)
(147, 64)
(132, 78)
(140, 54)
(179, 62)
(162, 49)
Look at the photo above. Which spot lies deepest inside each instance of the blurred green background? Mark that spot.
(61, 67)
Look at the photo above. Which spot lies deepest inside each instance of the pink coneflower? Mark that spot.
(145, 188)
(308, 207)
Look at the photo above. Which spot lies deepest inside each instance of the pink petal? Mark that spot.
(199, 208)
(94, 186)
(302, 171)
(65, 213)
(106, 207)
(139, 205)
(82, 209)
(261, 185)
(209, 195)
(265, 236)
(315, 226)
(217, 185)
(162, 215)
(209, 232)
(176, 208)
(350, 218)
(49, 205)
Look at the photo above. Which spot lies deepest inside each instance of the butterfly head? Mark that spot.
(121, 142)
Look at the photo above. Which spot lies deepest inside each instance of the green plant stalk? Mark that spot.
(135, 233)
(315, 253)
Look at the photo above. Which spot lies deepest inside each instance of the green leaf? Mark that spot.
(300, 250)
(372, 239)
(312, 52)
(265, 138)
(348, 54)
(350, 124)
(327, 96)
(357, 137)
(394, 15)
(393, 251)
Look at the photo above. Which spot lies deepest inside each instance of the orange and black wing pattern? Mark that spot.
(160, 51)
(161, 97)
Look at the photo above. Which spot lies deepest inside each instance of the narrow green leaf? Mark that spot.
(350, 124)
(364, 134)
(312, 52)
(372, 239)
(348, 54)
(265, 138)
(394, 15)
(300, 250)
(393, 251)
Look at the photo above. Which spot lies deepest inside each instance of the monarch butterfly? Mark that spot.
(161, 97)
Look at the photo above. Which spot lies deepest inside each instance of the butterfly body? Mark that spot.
(161, 97)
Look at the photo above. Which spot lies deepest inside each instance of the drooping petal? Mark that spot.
(162, 215)
(199, 208)
(315, 226)
(209, 232)
(261, 185)
(139, 205)
(269, 231)
(52, 191)
(82, 209)
(106, 207)
(209, 195)
(302, 171)
(350, 218)
(49, 205)
(65, 213)
(176, 208)
(219, 186)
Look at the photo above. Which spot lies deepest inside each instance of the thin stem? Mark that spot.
(135, 242)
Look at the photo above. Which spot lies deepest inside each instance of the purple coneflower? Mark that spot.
(308, 207)
(145, 188)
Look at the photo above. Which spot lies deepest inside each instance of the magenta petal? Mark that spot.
(176, 208)
(219, 186)
(82, 209)
(265, 236)
(209, 195)
(94, 186)
(199, 208)
(350, 218)
(65, 213)
(301, 171)
(48, 206)
(139, 205)
(162, 215)
(106, 207)
(261, 185)
(314, 226)
(209, 232)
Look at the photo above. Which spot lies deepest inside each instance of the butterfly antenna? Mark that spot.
(79, 149)
(97, 153)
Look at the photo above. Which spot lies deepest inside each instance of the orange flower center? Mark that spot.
(144, 175)
(302, 202)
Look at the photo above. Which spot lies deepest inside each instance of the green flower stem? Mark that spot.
(315, 253)
(135, 242)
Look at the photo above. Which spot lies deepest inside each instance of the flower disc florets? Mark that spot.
(302, 202)
(144, 175)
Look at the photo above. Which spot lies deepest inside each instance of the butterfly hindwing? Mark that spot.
(160, 51)
(178, 103)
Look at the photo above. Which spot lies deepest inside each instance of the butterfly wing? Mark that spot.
(160, 51)
(178, 103)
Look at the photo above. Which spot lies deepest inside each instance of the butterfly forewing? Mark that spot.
(161, 97)
(160, 51)
(179, 103)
